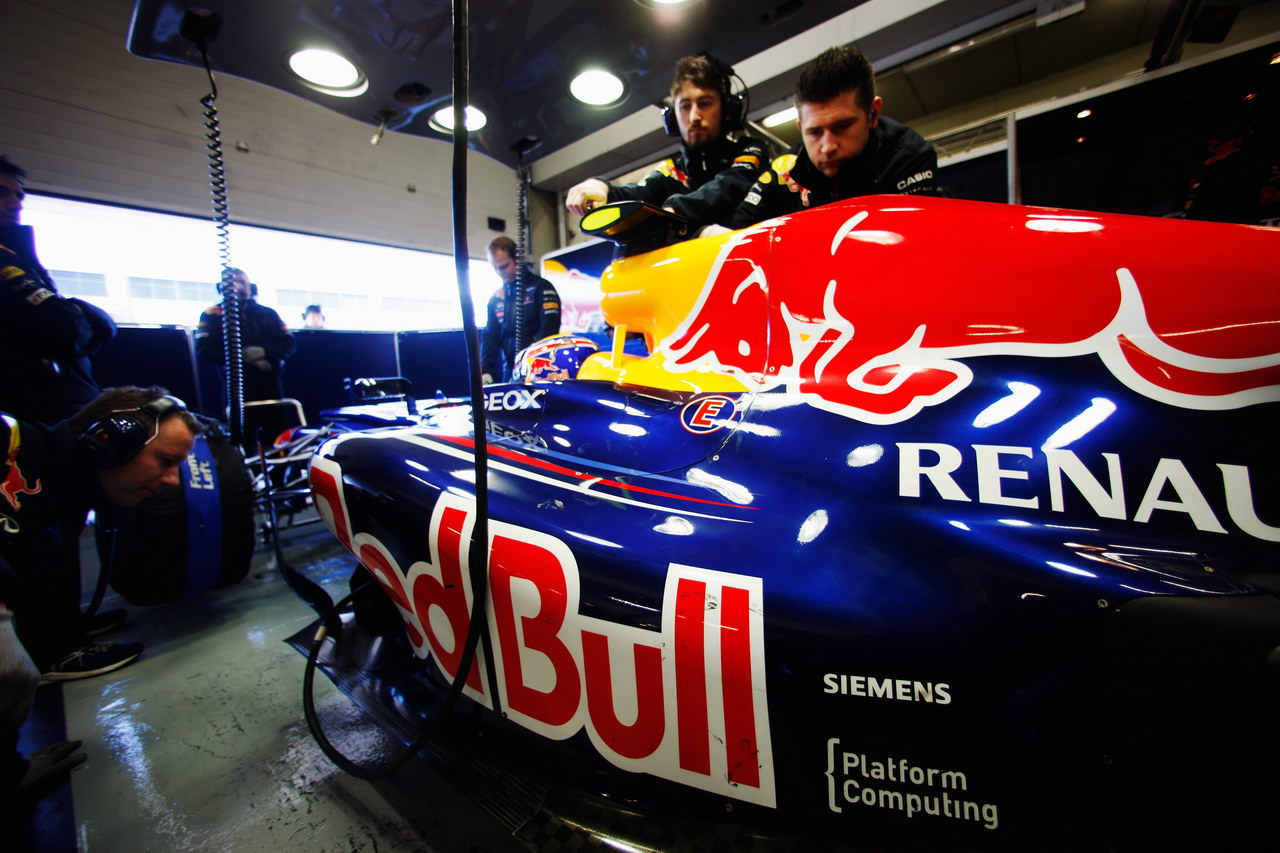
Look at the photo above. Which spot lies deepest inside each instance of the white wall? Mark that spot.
(86, 118)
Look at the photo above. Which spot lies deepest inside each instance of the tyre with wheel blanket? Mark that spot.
(187, 540)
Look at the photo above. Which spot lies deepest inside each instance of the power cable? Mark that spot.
(478, 553)
(201, 27)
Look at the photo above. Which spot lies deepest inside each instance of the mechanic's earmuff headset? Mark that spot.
(121, 435)
(733, 111)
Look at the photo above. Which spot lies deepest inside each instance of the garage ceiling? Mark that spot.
(523, 53)
(932, 55)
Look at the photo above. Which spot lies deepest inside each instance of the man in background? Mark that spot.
(46, 340)
(847, 147)
(313, 317)
(518, 314)
(265, 341)
(711, 173)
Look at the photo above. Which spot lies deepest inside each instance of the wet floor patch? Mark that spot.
(200, 744)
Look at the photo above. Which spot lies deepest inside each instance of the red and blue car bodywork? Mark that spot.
(925, 524)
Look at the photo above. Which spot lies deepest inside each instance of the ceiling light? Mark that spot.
(328, 72)
(1275, 59)
(1084, 113)
(782, 117)
(442, 119)
(596, 87)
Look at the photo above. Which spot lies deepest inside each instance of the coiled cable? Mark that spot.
(522, 245)
(232, 340)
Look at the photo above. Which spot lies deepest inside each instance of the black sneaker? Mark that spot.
(93, 659)
(103, 621)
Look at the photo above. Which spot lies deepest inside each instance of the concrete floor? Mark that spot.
(200, 744)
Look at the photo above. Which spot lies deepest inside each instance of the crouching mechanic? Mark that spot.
(709, 176)
(847, 147)
(124, 446)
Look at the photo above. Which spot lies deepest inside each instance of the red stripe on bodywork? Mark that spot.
(569, 472)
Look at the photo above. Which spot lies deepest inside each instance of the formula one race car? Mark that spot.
(924, 524)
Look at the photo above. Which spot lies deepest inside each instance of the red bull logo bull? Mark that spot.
(15, 484)
(873, 308)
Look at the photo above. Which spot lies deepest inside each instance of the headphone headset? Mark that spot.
(115, 439)
(733, 111)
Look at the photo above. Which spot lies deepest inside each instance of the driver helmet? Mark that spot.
(553, 359)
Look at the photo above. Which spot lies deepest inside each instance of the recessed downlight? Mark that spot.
(324, 68)
(326, 71)
(442, 119)
(596, 87)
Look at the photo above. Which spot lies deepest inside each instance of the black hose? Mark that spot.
(410, 749)
(478, 553)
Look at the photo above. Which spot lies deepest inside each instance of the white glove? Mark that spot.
(254, 353)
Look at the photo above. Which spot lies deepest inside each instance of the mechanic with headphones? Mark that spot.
(847, 148)
(124, 446)
(715, 166)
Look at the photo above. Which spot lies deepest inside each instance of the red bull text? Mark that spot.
(686, 703)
